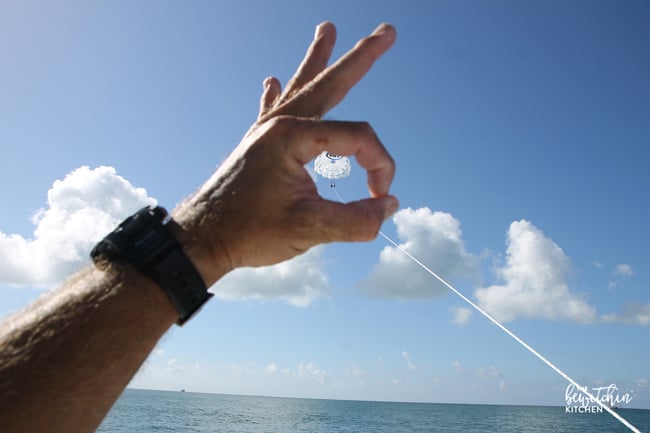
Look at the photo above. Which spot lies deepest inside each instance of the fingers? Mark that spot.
(330, 87)
(315, 61)
(270, 95)
(307, 138)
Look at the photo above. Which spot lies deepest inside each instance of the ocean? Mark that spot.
(145, 411)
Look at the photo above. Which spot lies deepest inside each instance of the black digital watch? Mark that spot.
(144, 240)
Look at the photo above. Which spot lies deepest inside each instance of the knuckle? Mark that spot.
(281, 122)
(366, 128)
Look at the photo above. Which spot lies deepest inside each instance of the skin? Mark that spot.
(67, 358)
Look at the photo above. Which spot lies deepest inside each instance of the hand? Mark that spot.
(261, 206)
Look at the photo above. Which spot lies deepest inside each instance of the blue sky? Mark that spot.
(521, 132)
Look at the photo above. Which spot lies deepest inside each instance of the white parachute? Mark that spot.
(332, 166)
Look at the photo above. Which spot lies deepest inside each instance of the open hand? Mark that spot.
(261, 206)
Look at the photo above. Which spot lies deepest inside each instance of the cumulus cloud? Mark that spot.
(298, 281)
(435, 239)
(88, 203)
(460, 315)
(623, 270)
(81, 209)
(534, 281)
(273, 368)
(310, 372)
(633, 314)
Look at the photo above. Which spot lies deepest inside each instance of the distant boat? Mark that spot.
(183, 390)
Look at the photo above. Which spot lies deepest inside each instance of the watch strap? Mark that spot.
(147, 243)
(178, 277)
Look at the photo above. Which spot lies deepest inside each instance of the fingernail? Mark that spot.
(323, 28)
(319, 31)
(383, 28)
(391, 206)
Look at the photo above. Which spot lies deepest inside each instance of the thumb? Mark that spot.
(357, 221)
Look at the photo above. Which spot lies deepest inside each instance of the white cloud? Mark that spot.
(88, 203)
(534, 281)
(461, 315)
(633, 314)
(435, 239)
(310, 372)
(298, 281)
(81, 209)
(409, 361)
(488, 372)
(623, 270)
(273, 368)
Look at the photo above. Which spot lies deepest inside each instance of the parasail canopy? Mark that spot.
(332, 166)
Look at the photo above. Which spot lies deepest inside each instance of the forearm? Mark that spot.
(65, 360)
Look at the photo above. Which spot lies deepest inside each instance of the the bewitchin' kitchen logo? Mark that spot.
(578, 401)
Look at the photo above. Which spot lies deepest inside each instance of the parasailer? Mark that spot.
(332, 166)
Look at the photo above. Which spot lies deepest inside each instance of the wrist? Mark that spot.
(197, 235)
(145, 241)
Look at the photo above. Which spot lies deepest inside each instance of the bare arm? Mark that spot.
(66, 359)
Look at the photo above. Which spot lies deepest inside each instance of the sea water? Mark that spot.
(145, 411)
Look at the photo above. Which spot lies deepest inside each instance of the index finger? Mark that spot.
(315, 61)
(328, 89)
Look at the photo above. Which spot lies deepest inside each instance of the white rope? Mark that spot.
(584, 390)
